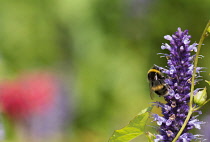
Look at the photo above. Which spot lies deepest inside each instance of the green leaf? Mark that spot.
(133, 129)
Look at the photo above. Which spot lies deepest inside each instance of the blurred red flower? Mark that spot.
(28, 95)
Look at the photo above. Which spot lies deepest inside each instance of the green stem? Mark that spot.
(191, 110)
(196, 62)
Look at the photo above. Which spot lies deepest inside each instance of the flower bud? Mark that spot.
(200, 97)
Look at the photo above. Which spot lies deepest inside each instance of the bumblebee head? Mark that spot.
(156, 67)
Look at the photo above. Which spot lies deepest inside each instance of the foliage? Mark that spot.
(103, 48)
(133, 129)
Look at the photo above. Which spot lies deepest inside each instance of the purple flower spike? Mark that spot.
(178, 77)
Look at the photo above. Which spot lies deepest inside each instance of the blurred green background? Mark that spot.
(103, 48)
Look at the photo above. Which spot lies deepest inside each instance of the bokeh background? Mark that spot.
(84, 63)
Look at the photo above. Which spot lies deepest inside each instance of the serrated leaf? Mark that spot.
(133, 129)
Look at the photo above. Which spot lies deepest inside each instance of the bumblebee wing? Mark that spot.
(151, 92)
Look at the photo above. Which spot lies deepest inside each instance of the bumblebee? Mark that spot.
(157, 82)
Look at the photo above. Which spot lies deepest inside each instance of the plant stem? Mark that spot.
(202, 105)
(196, 62)
(191, 110)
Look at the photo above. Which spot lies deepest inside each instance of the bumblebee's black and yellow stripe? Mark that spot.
(157, 82)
